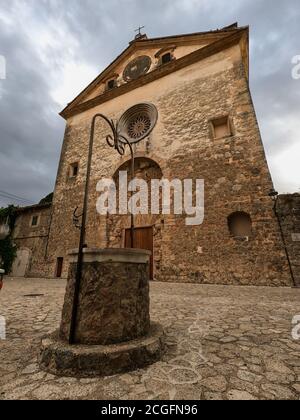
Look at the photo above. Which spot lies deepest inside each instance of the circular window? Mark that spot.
(136, 68)
(139, 126)
(138, 122)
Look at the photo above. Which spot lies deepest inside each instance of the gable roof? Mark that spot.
(218, 39)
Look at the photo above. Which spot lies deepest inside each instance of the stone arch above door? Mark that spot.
(146, 169)
(160, 162)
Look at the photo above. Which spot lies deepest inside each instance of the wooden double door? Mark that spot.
(143, 239)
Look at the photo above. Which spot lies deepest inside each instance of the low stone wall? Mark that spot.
(288, 209)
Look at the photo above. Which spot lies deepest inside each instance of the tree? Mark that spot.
(8, 250)
(47, 199)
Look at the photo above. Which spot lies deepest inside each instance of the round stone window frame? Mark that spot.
(137, 68)
(138, 122)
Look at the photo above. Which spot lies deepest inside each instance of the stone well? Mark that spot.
(113, 331)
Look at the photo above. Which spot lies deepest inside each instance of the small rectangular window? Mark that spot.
(111, 84)
(34, 221)
(74, 170)
(221, 127)
(166, 58)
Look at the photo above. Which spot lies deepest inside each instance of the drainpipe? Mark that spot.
(274, 195)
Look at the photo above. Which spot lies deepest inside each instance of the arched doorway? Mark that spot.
(148, 227)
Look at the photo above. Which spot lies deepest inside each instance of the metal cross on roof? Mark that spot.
(139, 30)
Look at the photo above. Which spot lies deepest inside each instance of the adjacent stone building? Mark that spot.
(288, 209)
(206, 129)
(31, 233)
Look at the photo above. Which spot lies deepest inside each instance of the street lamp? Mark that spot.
(275, 195)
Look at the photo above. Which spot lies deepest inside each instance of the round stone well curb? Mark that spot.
(85, 361)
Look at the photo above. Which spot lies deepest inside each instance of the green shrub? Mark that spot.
(8, 251)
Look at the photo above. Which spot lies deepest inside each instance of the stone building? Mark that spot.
(31, 234)
(206, 129)
(288, 209)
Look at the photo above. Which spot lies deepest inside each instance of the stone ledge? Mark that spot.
(126, 255)
(61, 359)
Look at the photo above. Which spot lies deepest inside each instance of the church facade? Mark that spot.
(206, 128)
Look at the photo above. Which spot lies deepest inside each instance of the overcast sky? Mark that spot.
(54, 48)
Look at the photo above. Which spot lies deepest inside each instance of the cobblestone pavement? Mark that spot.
(222, 343)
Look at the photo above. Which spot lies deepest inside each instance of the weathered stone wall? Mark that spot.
(288, 208)
(34, 238)
(234, 169)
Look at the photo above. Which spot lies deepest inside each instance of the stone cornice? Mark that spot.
(211, 49)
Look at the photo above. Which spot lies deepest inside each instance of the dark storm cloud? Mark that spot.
(30, 131)
(39, 38)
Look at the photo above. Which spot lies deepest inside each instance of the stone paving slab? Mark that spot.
(223, 342)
